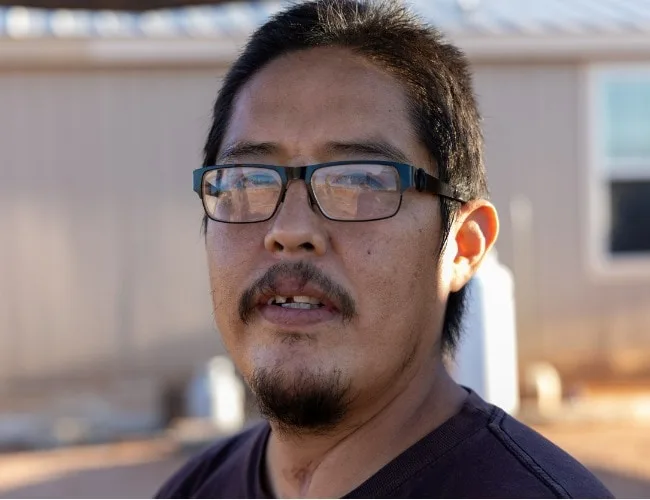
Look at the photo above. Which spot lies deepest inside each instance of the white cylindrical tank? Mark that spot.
(227, 395)
(486, 359)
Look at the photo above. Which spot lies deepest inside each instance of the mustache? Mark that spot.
(304, 272)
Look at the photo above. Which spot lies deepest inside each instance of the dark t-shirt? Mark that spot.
(481, 452)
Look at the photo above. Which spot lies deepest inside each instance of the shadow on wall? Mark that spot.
(106, 400)
(122, 481)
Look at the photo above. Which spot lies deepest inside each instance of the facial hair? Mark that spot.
(303, 402)
(305, 272)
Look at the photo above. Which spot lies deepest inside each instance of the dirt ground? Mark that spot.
(618, 453)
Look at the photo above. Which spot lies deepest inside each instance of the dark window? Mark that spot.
(624, 141)
(630, 222)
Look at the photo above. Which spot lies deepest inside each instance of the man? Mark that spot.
(351, 131)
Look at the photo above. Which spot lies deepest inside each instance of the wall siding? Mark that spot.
(102, 264)
(102, 267)
(536, 149)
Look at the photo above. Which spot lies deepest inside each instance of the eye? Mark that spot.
(253, 180)
(259, 180)
(359, 179)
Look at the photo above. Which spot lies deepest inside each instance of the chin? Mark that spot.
(295, 355)
(301, 396)
(288, 347)
(295, 360)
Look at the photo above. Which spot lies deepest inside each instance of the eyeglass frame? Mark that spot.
(409, 176)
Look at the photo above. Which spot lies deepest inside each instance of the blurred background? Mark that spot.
(107, 377)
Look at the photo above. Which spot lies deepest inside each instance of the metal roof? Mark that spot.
(489, 18)
(123, 5)
(218, 21)
(536, 17)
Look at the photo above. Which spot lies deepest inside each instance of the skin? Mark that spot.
(389, 354)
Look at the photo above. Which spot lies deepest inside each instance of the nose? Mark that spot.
(296, 227)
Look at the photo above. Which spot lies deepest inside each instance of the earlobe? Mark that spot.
(477, 227)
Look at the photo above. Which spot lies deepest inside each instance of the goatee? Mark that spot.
(303, 402)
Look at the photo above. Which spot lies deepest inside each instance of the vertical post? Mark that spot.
(486, 360)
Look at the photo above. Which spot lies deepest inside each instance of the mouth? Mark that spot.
(295, 302)
(305, 302)
(289, 304)
(293, 294)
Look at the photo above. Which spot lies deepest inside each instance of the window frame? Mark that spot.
(601, 261)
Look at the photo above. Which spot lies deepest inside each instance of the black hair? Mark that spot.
(435, 75)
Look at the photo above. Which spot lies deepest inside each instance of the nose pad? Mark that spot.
(313, 204)
(295, 229)
(284, 194)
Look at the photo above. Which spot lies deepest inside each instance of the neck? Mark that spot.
(331, 465)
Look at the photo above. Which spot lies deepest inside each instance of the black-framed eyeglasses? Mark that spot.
(343, 190)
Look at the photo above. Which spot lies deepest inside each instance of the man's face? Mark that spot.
(384, 285)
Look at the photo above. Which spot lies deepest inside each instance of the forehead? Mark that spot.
(311, 97)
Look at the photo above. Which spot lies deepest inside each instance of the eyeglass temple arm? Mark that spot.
(197, 179)
(430, 184)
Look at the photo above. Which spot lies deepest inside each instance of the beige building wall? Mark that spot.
(538, 159)
(102, 269)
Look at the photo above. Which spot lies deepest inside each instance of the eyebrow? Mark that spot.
(373, 148)
(238, 150)
(367, 148)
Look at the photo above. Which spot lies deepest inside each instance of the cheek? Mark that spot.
(396, 279)
(229, 250)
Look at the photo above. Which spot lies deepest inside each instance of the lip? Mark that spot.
(288, 317)
(291, 287)
(296, 317)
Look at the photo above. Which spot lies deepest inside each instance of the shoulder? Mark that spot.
(234, 453)
(506, 458)
(559, 472)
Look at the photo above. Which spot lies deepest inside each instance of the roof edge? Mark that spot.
(557, 47)
(42, 53)
(52, 53)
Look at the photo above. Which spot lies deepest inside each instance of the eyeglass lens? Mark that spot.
(352, 192)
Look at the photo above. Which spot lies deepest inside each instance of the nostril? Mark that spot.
(277, 246)
(308, 246)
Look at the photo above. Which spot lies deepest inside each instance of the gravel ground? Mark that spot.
(618, 454)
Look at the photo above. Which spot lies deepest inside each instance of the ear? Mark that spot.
(474, 232)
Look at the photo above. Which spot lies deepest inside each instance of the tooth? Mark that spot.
(298, 305)
(306, 299)
(278, 299)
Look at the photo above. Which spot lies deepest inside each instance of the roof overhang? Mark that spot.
(219, 51)
(565, 47)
